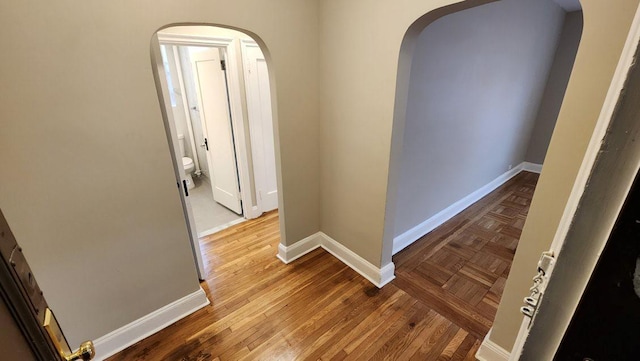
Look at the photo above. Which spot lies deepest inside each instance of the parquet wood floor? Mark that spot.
(439, 307)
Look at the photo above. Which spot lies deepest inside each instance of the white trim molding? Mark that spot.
(378, 276)
(116, 341)
(616, 88)
(531, 167)
(288, 254)
(219, 228)
(193, 40)
(490, 351)
(403, 240)
(241, 141)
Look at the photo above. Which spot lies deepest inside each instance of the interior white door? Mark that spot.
(213, 102)
(261, 127)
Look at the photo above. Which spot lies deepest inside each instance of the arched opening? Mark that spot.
(479, 91)
(217, 100)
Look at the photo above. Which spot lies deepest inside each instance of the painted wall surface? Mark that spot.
(357, 111)
(194, 114)
(477, 78)
(555, 88)
(177, 106)
(80, 115)
(606, 26)
(87, 181)
(599, 209)
(357, 115)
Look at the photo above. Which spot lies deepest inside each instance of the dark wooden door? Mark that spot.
(606, 325)
(14, 345)
(22, 306)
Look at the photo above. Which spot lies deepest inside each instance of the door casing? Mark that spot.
(578, 192)
(237, 114)
(250, 208)
(260, 128)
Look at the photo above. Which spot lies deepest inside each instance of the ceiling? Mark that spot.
(569, 5)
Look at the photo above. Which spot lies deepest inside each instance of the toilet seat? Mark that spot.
(187, 162)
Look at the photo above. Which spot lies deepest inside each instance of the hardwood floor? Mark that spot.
(439, 307)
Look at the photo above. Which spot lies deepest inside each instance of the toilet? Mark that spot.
(187, 163)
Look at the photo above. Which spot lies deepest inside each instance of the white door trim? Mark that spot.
(257, 179)
(606, 116)
(237, 113)
(257, 139)
(174, 150)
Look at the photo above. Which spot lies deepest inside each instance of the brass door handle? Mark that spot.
(86, 351)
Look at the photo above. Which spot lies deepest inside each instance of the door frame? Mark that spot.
(249, 210)
(258, 177)
(589, 162)
(162, 88)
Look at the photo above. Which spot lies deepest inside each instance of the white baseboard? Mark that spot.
(288, 254)
(532, 167)
(377, 276)
(490, 351)
(403, 240)
(125, 336)
(221, 227)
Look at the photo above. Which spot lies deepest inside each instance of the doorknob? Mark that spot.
(86, 351)
(205, 144)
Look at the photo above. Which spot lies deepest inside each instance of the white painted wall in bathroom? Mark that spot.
(178, 108)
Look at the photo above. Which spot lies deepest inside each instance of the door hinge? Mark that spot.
(223, 64)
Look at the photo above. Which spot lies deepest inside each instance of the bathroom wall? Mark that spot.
(177, 105)
(194, 114)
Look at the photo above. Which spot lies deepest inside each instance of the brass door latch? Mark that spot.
(86, 351)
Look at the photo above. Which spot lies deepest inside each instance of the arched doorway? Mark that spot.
(216, 92)
(478, 94)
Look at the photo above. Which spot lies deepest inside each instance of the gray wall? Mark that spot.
(87, 182)
(556, 87)
(477, 79)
